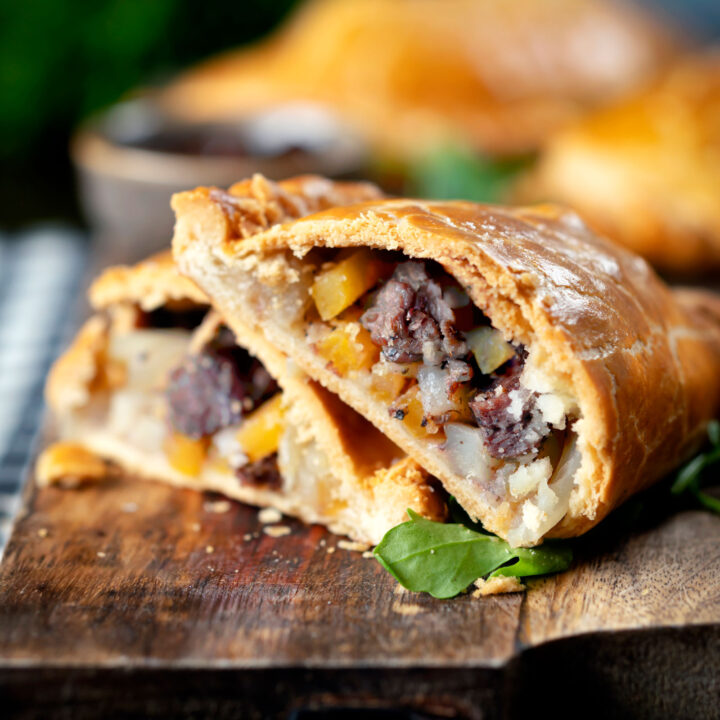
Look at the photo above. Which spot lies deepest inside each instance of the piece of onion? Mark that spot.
(433, 382)
(489, 348)
(466, 451)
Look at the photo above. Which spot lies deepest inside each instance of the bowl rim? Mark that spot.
(93, 149)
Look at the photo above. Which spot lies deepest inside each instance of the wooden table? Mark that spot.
(138, 600)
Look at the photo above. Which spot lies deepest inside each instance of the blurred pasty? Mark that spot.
(499, 75)
(647, 172)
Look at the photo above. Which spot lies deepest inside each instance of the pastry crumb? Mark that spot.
(497, 585)
(368, 554)
(269, 515)
(353, 546)
(247, 537)
(209, 549)
(217, 506)
(196, 527)
(406, 608)
(69, 465)
(130, 507)
(101, 554)
(330, 550)
(276, 530)
(42, 532)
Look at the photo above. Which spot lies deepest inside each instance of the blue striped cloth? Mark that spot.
(41, 277)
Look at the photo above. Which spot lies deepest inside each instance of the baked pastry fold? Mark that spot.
(540, 372)
(155, 383)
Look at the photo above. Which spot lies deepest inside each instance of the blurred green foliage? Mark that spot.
(455, 171)
(62, 59)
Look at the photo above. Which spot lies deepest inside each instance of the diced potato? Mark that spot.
(341, 285)
(259, 435)
(349, 347)
(489, 347)
(186, 454)
(148, 356)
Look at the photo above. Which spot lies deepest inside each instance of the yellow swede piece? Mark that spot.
(186, 454)
(341, 285)
(259, 435)
(349, 347)
(409, 410)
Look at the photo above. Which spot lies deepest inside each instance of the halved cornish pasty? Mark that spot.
(543, 374)
(157, 383)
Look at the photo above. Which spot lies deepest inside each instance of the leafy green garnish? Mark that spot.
(443, 559)
(689, 477)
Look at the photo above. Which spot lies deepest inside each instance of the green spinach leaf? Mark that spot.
(550, 557)
(443, 559)
(689, 477)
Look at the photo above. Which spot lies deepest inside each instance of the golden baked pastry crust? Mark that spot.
(647, 171)
(642, 361)
(408, 73)
(150, 284)
(74, 374)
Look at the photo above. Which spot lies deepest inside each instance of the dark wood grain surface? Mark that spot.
(133, 585)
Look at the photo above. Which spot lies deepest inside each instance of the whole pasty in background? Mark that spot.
(647, 171)
(542, 373)
(412, 73)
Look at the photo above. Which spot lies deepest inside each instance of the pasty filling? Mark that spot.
(212, 407)
(409, 335)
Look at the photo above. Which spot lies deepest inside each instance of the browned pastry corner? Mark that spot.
(647, 171)
(150, 284)
(69, 464)
(408, 73)
(615, 373)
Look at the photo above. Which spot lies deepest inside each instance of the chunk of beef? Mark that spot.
(261, 473)
(204, 394)
(260, 385)
(410, 320)
(215, 387)
(508, 415)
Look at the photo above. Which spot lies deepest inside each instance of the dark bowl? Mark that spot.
(132, 158)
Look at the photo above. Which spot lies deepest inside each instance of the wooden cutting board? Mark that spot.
(134, 599)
